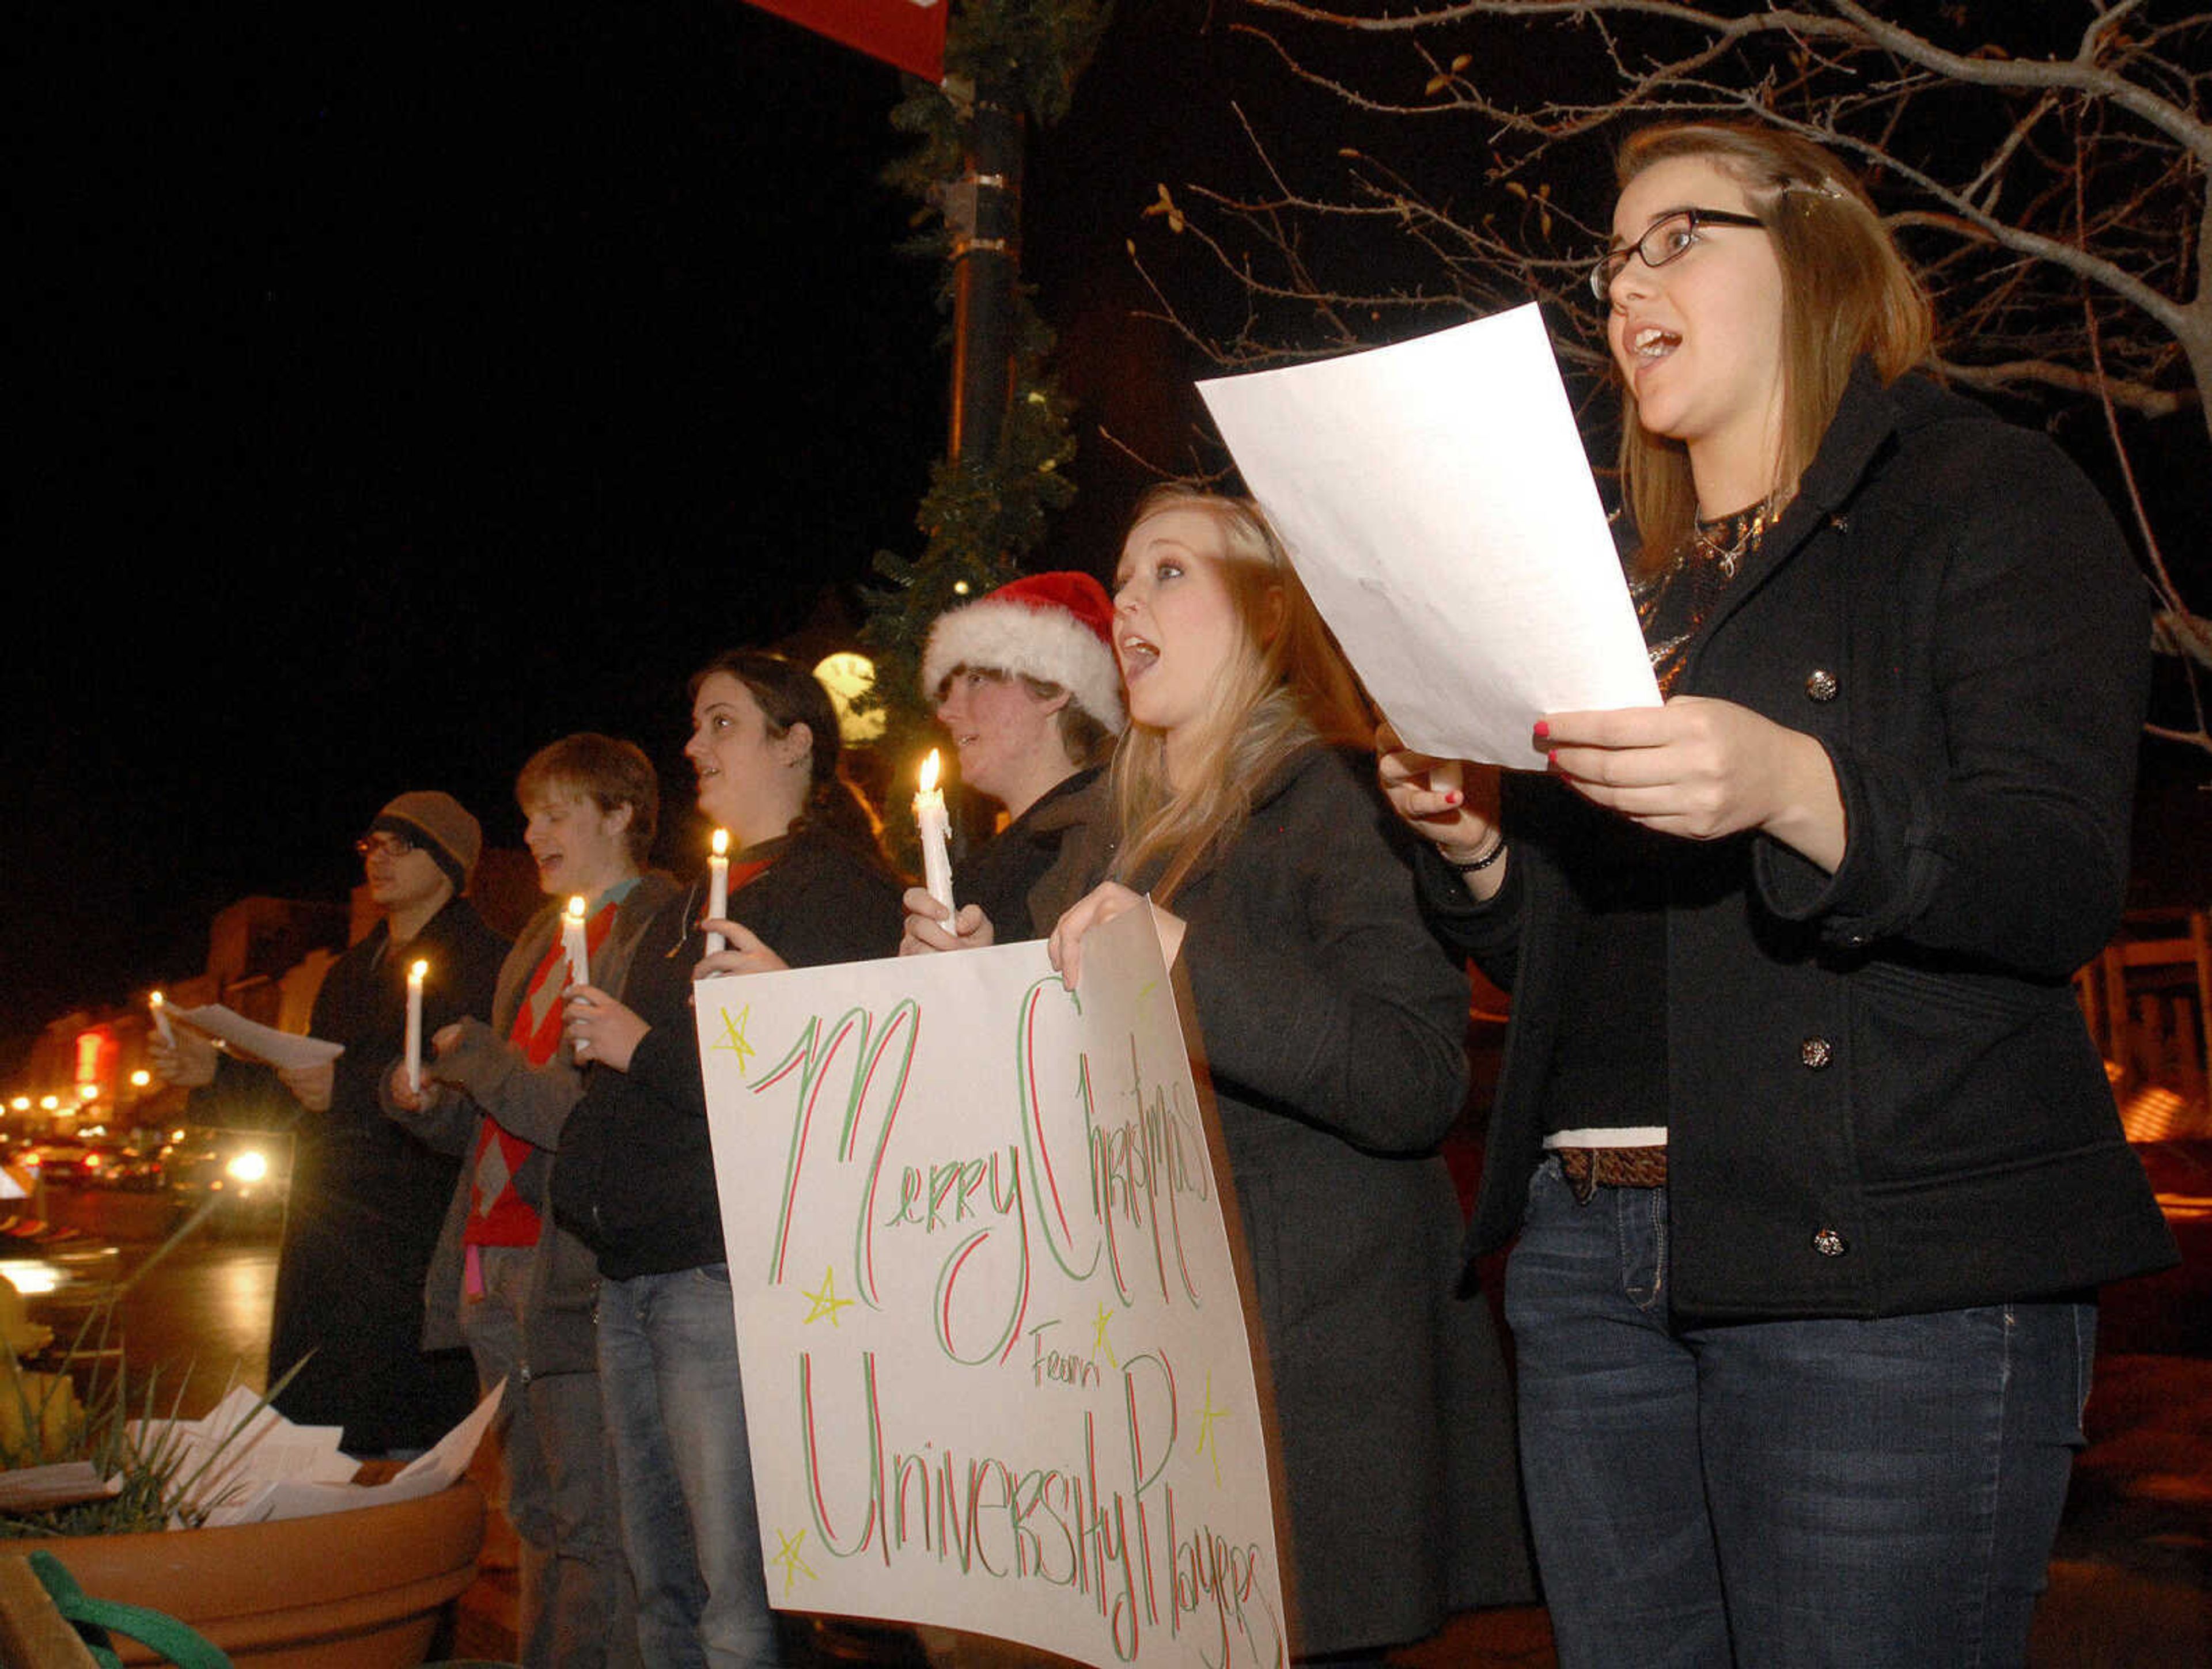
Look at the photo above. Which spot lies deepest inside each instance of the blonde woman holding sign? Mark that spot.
(1332, 1026)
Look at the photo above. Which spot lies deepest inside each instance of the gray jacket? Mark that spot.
(485, 1076)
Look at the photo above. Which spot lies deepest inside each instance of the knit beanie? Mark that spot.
(438, 824)
(1054, 627)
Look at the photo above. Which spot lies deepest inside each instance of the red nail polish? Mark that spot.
(1543, 729)
(1454, 798)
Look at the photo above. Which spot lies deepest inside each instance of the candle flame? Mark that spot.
(576, 908)
(155, 1000)
(929, 771)
(418, 970)
(722, 843)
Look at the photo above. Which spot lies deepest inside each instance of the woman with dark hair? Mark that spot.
(1331, 1023)
(517, 1289)
(1814, 1166)
(1023, 682)
(636, 1177)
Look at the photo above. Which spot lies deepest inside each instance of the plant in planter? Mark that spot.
(357, 1589)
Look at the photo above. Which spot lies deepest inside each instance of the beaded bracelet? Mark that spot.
(1476, 865)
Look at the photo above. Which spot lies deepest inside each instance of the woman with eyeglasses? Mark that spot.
(1813, 1167)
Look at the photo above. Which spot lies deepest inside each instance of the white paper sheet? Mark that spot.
(1436, 502)
(246, 1464)
(257, 1042)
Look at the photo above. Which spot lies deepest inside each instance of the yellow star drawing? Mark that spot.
(1098, 1339)
(787, 1556)
(826, 1301)
(733, 1035)
(1207, 1414)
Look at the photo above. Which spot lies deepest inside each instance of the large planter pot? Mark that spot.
(358, 1590)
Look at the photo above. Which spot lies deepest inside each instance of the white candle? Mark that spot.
(572, 942)
(160, 1005)
(580, 957)
(936, 837)
(718, 885)
(414, 973)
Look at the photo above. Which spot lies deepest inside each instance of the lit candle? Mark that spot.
(718, 885)
(572, 942)
(414, 973)
(160, 1005)
(936, 837)
(580, 957)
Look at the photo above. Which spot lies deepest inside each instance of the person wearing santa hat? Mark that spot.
(1025, 685)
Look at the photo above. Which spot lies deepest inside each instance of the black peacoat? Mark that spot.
(1882, 1097)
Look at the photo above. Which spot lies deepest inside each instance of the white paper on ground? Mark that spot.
(1436, 499)
(258, 1465)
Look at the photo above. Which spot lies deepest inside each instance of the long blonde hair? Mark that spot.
(1286, 684)
(1846, 292)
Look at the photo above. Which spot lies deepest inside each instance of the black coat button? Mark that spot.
(1820, 685)
(1828, 1243)
(1816, 1052)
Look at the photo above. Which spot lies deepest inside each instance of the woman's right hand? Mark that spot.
(188, 1063)
(403, 1095)
(927, 929)
(1450, 803)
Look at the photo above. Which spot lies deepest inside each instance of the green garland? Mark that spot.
(981, 517)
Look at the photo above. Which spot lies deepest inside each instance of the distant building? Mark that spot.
(266, 960)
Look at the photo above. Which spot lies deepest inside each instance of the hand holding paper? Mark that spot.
(1436, 502)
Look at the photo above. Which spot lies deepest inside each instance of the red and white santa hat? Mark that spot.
(1055, 627)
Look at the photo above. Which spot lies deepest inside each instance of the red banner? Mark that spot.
(910, 34)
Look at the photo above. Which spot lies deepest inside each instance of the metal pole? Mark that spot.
(983, 211)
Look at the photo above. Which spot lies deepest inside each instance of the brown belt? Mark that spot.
(1585, 1168)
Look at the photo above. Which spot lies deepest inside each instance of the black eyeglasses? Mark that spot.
(383, 840)
(1668, 238)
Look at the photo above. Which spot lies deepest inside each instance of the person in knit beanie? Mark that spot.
(1025, 685)
(366, 1198)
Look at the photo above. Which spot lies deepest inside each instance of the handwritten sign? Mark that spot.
(996, 1370)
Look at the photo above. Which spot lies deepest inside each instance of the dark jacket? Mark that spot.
(1333, 1027)
(636, 1177)
(1000, 874)
(486, 1077)
(366, 1197)
(1882, 1098)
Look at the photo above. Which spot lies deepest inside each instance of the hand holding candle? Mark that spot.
(160, 1005)
(718, 886)
(580, 956)
(415, 974)
(936, 837)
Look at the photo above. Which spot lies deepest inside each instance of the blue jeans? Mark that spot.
(560, 1495)
(1780, 1493)
(684, 1477)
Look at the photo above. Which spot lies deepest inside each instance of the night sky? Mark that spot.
(412, 386)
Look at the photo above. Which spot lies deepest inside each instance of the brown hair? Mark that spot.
(1280, 691)
(606, 770)
(789, 694)
(1846, 292)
